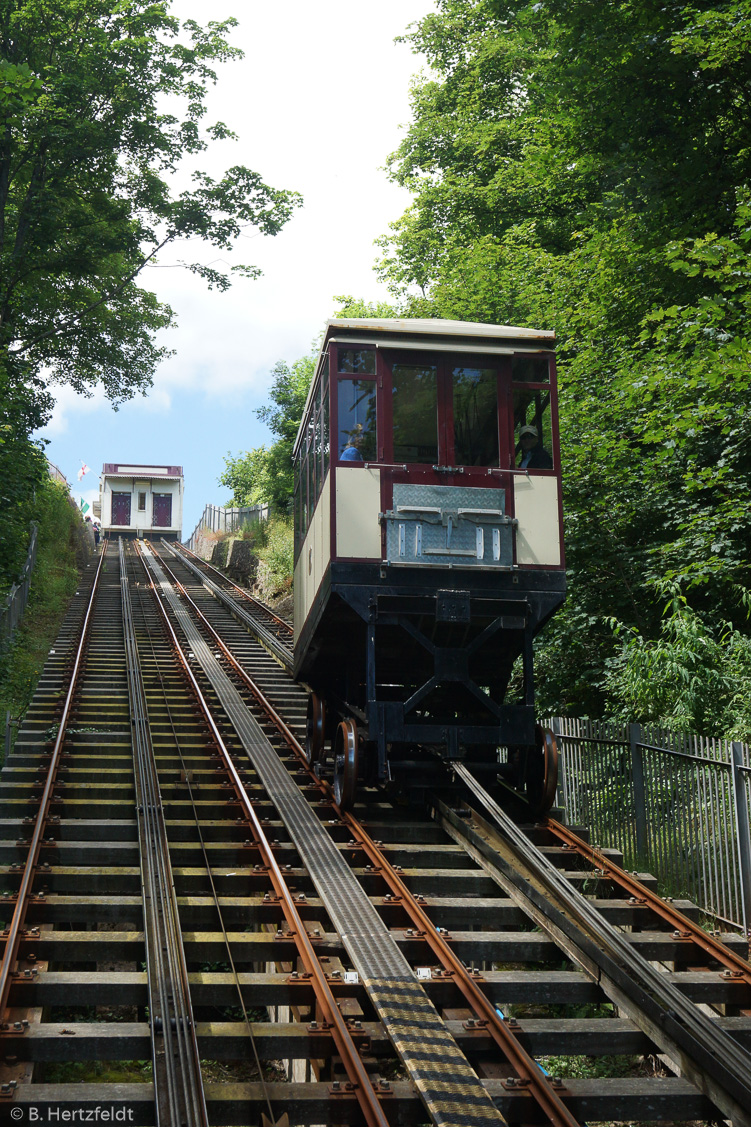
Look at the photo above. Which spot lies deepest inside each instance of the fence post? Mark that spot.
(743, 835)
(561, 795)
(8, 729)
(640, 794)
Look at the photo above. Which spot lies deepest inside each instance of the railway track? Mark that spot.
(273, 631)
(195, 933)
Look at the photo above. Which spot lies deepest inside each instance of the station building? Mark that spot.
(141, 501)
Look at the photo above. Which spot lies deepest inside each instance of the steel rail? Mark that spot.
(712, 1060)
(739, 968)
(102, 802)
(279, 649)
(519, 1059)
(13, 936)
(179, 549)
(434, 1061)
(262, 700)
(353, 1066)
(202, 843)
(180, 1099)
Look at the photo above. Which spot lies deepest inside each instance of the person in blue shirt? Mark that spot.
(351, 452)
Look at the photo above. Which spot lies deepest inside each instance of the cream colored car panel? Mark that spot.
(314, 558)
(358, 503)
(536, 507)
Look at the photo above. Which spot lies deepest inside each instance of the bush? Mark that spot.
(276, 555)
(693, 678)
(62, 544)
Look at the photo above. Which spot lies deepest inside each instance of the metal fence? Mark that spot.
(11, 612)
(217, 519)
(57, 474)
(674, 804)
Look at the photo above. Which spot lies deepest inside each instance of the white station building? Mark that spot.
(141, 501)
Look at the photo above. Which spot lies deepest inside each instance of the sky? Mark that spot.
(318, 103)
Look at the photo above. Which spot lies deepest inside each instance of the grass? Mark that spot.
(98, 1072)
(276, 555)
(592, 1068)
(54, 581)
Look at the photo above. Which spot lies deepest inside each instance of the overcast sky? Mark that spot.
(318, 103)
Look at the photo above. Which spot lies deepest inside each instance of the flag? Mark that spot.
(83, 470)
(84, 506)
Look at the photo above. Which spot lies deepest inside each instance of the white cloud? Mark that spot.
(69, 403)
(317, 104)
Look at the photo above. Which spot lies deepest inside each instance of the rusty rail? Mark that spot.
(685, 929)
(358, 1076)
(13, 937)
(245, 595)
(521, 1063)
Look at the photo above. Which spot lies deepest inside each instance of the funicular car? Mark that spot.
(428, 548)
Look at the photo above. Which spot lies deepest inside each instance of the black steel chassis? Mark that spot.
(356, 599)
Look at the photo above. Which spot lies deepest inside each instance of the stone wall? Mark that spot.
(242, 565)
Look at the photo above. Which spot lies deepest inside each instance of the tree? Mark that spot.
(88, 153)
(23, 469)
(264, 475)
(584, 167)
(357, 307)
(691, 678)
(551, 121)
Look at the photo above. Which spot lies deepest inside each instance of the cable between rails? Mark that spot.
(169, 992)
(180, 550)
(712, 1060)
(204, 852)
(273, 643)
(358, 1076)
(519, 1060)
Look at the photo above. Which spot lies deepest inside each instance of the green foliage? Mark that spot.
(54, 580)
(591, 1068)
(272, 542)
(691, 678)
(288, 393)
(98, 1072)
(585, 167)
(356, 307)
(87, 158)
(23, 469)
(277, 555)
(246, 475)
(100, 101)
(264, 474)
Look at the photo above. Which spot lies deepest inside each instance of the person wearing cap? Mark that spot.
(534, 456)
(351, 452)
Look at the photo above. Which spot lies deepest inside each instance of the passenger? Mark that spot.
(534, 455)
(351, 452)
(96, 537)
